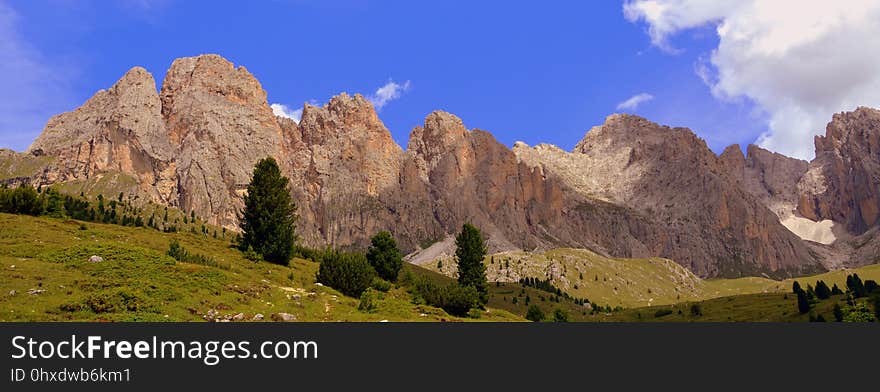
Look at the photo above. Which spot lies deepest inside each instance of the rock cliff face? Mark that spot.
(671, 177)
(119, 129)
(843, 181)
(631, 188)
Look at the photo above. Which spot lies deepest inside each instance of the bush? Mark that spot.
(350, 273)
(384, 256)
(560, 316)
(252, 255)
(458, 300)
(535, 314)
(662, 312)
(381, 284)
(179, 253)
(369, 301)
(696, 310)
(455, 299)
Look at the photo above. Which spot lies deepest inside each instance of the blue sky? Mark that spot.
(523, 72)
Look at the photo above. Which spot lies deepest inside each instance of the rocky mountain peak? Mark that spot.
(211, 79)
(439, 133)
(843, 181)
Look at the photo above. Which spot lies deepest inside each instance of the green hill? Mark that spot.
(46, 275)
(632, 283)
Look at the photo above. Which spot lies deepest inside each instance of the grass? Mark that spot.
(16, 165)
(769, 307)
(633, 283)
(137, 281)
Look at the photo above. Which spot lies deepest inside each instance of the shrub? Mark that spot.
(662, 312)
(251, 255)
(384, 256)
(859, 313)
(350, 273)
(459, 300)
(381, 284)
(535, 314)
(369, 300)
(179, 253)
(560, 316)
(455, 299)
(696, 310)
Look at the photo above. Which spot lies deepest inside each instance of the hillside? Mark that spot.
(632, 283)
(46, 275)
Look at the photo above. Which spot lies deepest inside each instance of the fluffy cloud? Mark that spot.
(633, 102)
(32, 89)
(798, 61)
(284, 111)
(387, 93)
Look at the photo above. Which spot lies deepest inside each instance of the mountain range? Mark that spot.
(630, 187)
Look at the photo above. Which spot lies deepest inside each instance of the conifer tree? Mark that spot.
(384, 256)
(470, 251)
(268, 220)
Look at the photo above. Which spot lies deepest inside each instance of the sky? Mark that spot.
(742, 72)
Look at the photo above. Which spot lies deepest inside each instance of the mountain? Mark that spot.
(699, 217)
(631, 188)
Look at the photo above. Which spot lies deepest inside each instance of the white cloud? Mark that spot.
(284, 111)
(387, 93)
(798, 61)
(32, 89)
(633, 102)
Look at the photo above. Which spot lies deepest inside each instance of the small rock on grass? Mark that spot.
(284, 317)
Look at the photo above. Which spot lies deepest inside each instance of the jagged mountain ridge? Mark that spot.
(193, 145)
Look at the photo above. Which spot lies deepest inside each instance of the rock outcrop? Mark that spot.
(669, 177)
(843, 181)
(119, 129)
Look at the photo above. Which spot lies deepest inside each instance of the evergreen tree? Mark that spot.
(268, 220)
(796, 287)
(855, 285)
(384, 256)
(802, 302)
(470, 251)
(560, 316)
(838, 313)
(836, 290)
(822, 290)
(535, 314)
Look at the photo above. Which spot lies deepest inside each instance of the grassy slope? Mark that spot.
(142, 283)
(769, 307)
(633, 283)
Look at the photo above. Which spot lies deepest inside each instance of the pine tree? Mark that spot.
(470, 251)
(822, 290)
(384, 256)
(268, 220)
(802, 302)
(796, 287)
(535, 314)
